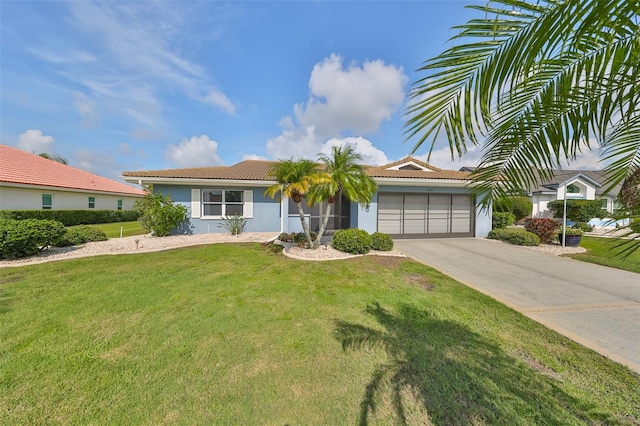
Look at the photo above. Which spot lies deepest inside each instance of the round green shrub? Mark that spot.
(81, 234)
(502, 219)
(518, 237)
(381, 242)
(583, 226)
(354, 241)
(635, 225)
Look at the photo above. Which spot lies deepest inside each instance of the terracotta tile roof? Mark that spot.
(245, 170)
(259, 170)
(21, 167)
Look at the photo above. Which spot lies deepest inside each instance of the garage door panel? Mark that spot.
(390, 213)
(460, 213)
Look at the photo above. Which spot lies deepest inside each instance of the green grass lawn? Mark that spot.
(128, 229)
(239, 334)
(617, 253)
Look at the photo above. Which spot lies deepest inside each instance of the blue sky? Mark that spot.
(115, 86)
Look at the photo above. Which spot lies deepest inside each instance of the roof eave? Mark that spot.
(67, 189)
(140, 180)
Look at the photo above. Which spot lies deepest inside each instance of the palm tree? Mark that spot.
(294, 180)
(539, 81)
(344, 176)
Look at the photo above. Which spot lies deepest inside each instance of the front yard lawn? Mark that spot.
(616, 253)
(128, 229)
(239, 334)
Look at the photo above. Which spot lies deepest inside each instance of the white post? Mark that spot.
(564, 217)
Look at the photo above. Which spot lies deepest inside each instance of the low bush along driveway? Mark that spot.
(239, 334)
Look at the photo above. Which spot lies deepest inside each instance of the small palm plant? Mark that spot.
(235, 224)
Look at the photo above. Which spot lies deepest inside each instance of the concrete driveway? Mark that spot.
(593, 305)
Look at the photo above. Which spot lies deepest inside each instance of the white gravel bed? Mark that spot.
(136, 244)
(326, 252)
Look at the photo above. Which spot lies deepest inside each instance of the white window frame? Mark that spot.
(119, 204)
(198, 197)
(94, 202)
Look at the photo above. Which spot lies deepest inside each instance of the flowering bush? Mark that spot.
(544, 228)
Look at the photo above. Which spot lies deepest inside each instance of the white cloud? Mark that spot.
(253, 157)
(219, 99)
(370, 154)
(353, 98)
(35, 141)
(298, 142)
(198, 151)
(86, 108)
(441, 158)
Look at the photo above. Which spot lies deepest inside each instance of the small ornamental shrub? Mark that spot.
(159, 215)
(301, 239)
(518, 237)
(81, 234)
(635, 225)
(354, 241)
(21, 238)
(570, 231)
(544, 228)
(381, 242)
(234, 224)
(502, 219)
(583, 226)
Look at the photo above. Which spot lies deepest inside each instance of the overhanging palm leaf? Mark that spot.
(537, 82)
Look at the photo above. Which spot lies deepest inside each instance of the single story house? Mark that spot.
(578, 184)
(413, 199)
(31, 182)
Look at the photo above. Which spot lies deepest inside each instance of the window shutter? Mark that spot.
(195, 203)
(248, 204)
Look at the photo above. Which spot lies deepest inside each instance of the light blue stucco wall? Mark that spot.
(266, 211)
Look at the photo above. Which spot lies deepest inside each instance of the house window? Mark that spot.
(573, 189)
(220, 202)
(119, 204)
(47, 201)
(92, 202)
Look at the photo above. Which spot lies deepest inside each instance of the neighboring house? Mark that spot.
(579, 184)
(31, 182)
(413, 199)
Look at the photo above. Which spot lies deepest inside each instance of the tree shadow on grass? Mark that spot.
(457, 376)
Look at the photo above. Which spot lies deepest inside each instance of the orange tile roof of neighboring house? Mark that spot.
(259, 170)
(21, 167)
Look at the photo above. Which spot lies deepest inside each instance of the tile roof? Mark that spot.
(21, 167)
(561, 176)
(245, 170)
(259, 170)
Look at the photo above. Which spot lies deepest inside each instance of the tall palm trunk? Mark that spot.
(305, 227)
(325, 220)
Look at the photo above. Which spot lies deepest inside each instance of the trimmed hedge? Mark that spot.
(578, 210)
(502, 220)
(81, 234)
(296, 237)
(73, 217)
(354, 241)
(518, 237)
(519, 206)
(544, 228)
(21, 238)
(381, 242)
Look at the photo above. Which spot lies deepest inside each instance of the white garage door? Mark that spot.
(425, 215)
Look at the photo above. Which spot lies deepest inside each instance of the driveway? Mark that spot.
(596, 306)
